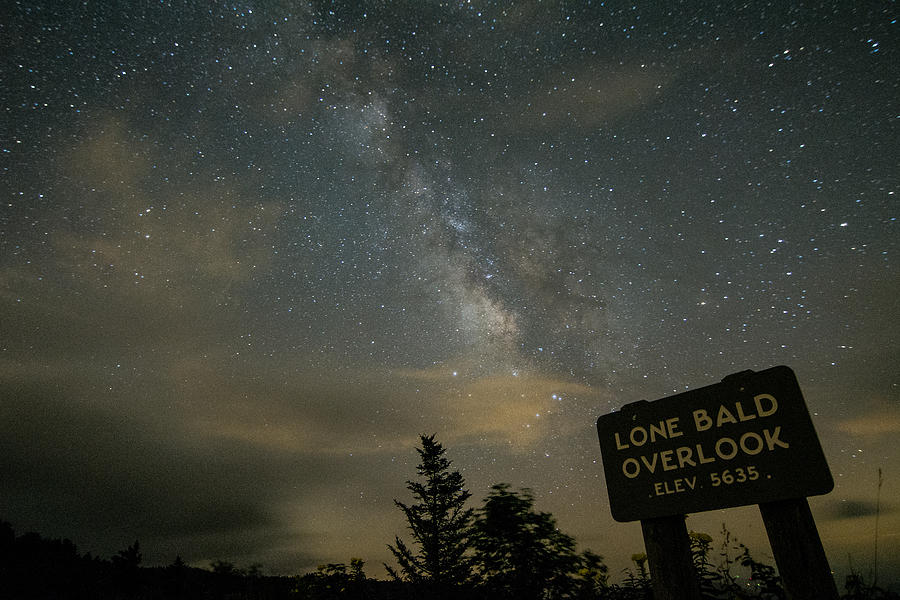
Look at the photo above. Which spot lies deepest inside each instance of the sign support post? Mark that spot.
(672, 573)
(798, 550)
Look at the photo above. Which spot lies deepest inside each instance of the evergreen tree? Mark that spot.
(439, 524)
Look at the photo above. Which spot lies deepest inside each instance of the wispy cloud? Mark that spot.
(882, 421)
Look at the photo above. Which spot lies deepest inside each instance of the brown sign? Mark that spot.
(746, 440)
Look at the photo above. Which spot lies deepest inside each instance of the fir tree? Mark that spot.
(438, 522)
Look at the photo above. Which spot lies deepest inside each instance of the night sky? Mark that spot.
(249, 251)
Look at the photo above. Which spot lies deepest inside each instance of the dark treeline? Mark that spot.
(504, 549)
(38, 568)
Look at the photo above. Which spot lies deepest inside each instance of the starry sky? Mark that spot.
(250, 250)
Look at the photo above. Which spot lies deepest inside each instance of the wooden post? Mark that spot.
(672, 572)
(798, 550)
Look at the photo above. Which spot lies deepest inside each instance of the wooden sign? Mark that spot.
(746, 440)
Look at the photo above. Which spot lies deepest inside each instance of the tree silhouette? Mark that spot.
(335, 581)
(126, 564)
(177, 578)
(439, 524)
(130, 558)
(520, 553)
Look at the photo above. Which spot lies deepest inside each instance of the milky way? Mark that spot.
(250, 251)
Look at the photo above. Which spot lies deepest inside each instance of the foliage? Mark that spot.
(592, 579)
(637, 585)
(857, 588)
(224, 569)
(519, 552)
(764, 579)
(701, 544)
(438, 522)
(126, 564)
(334, 580)
(32, 567)
(720, 581)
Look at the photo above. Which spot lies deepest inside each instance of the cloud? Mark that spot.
(854, 509)
(105, 477)
(595, 95)
(206, 465)
(304, 414)
(882, 421)
(517, 410)
(307, 416)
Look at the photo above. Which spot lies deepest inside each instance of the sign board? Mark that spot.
(746, 440)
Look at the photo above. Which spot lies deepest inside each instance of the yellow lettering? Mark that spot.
(703, 460)
(724, 417)
(634, 470)
(643, 436)
(750, 435)
(721, 442)
(672, 427)
(772, 438)
(666, 457)
(651, 465)
(619, 444)
(685, 456)
(701, 420)
(740, 411)
(773, 404)
(657, 430)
